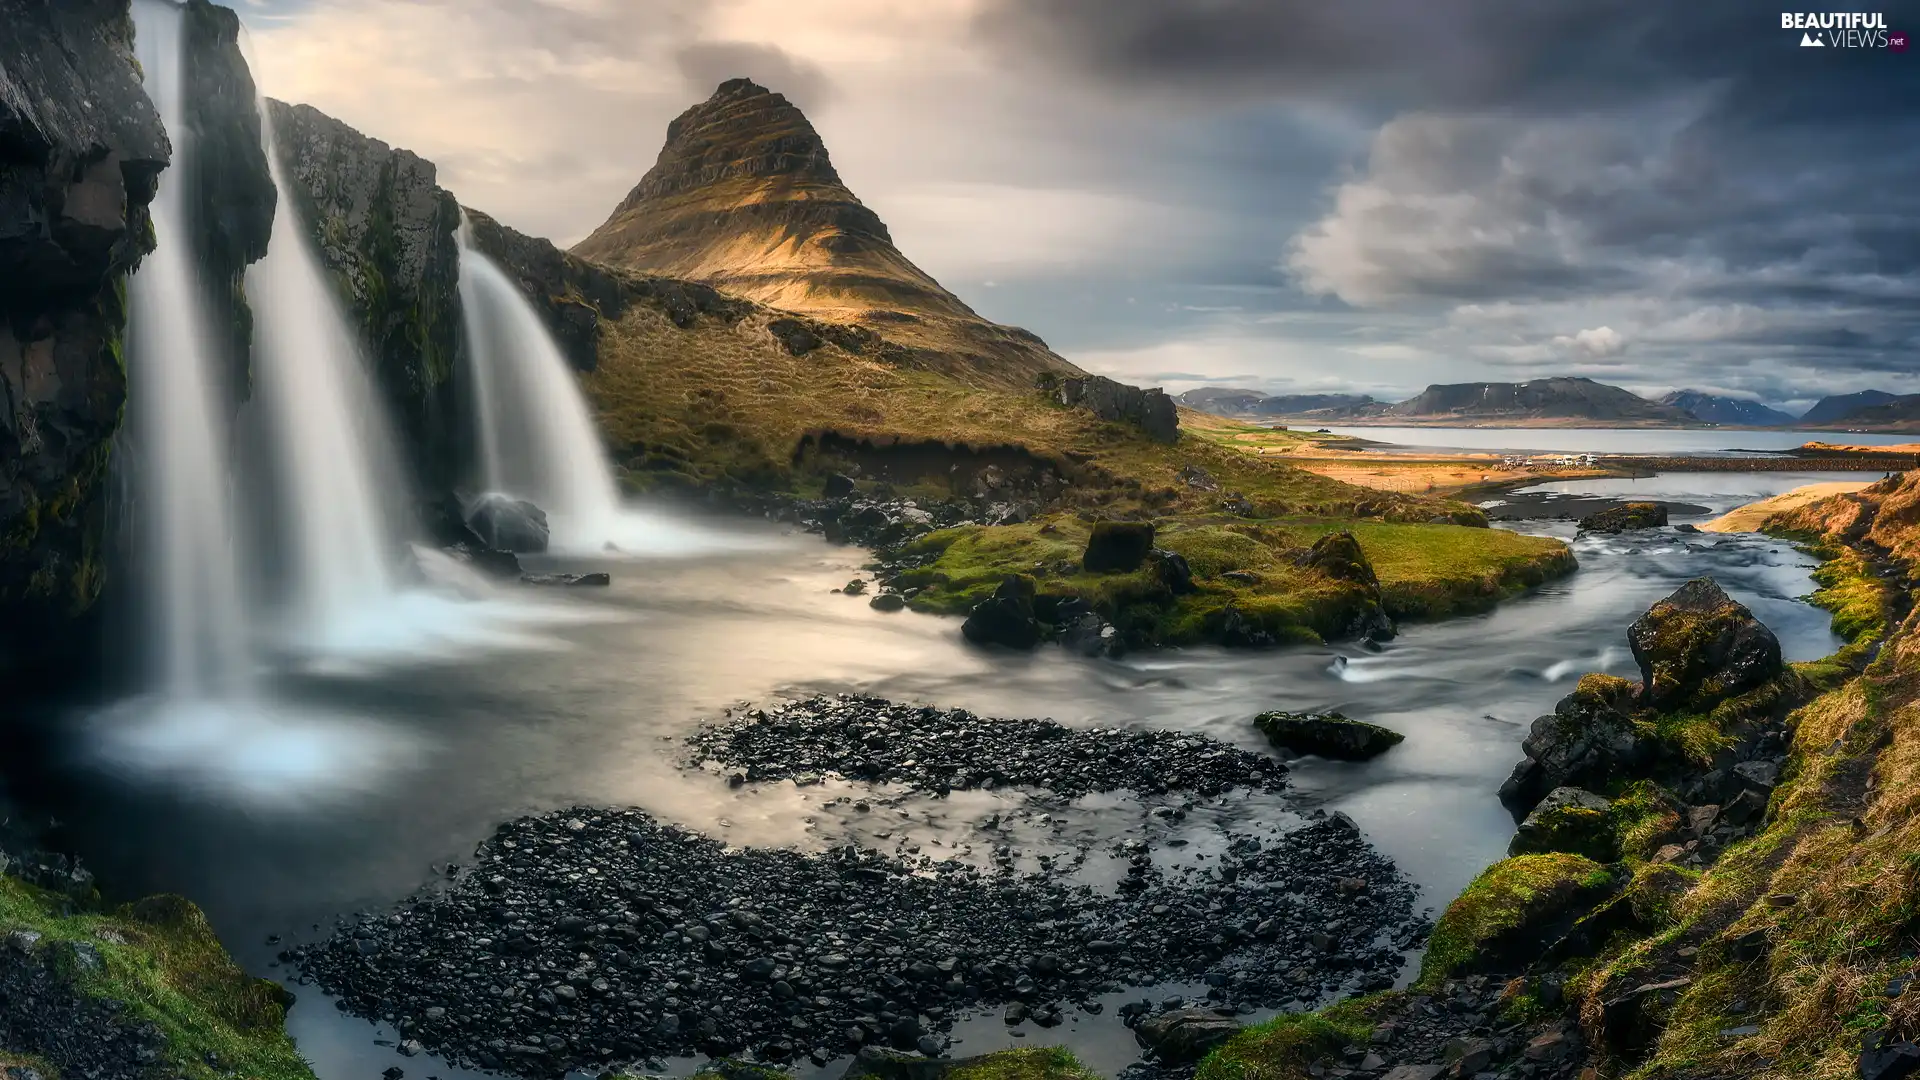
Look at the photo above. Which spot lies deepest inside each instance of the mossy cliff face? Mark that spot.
(384, 229)
(75, 183)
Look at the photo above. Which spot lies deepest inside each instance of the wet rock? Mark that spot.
(1006, 617)
(1568, 819)
(837, 486)
(887, 601)
(1327, 735)
(509, 524)
(1091, 635)
(1117, 547)
(1886, 1057)
(865, 738)
(594, 580)
(490, 561)
(1628, 517)
(1184, 1035)
(1699, 647)
(1588, 741)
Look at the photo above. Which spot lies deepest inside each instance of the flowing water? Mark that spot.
(437, 756)
(538, 440)
(184, 510)
(331, 442)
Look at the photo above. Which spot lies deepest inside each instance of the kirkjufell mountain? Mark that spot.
(744, 197)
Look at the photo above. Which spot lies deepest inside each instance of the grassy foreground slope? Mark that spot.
(1789, 955)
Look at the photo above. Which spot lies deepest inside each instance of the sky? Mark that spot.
(1285, 195)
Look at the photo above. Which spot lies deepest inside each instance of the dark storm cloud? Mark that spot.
(1646, 165)
(707, 64)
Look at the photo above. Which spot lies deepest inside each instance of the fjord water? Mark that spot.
(184, 510)
(1709, 441)
(331, 444)
(600, 716)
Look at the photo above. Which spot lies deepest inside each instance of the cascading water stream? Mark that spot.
(537, 437)
(330, 435)
(181, 429)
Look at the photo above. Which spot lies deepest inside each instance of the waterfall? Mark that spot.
(181, 426)
(537, 437)
(329, 432)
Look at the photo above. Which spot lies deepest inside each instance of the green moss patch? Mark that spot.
(1283, 1048)
(161, 961)
(1512, 909)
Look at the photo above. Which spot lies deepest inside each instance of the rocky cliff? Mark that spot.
(385, 230)
(225, 168)
(81, 150)
(744, 197)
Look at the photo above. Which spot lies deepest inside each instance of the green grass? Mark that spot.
(1424, 570)
(1037, 1063)
(163, 963)
(1283, 1048)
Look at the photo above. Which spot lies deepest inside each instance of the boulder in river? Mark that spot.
(1700, 647)
(1006, 617)
(1327, 735)
(1117, 546)
(510, 524)
(1184, 1035)
(568, 580)
(1627, 517)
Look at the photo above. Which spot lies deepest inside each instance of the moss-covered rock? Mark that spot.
(1328, 735)
(1285, 1047)
(1006, 617)
(1588, 741)
(1699, 647)
(1511, 911)
(1570, 820)
(1037, 1063)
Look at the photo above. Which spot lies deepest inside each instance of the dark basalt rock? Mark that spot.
(1117, 547)
(510, 524)
(1171, 568)
(490, 561)
(1699, 647)
(81, 150)
(1006, 617)
(595, 580)
(1628, 517)
(1588, 741)
(870, 739)
(1151, 410)
(1184, 1035)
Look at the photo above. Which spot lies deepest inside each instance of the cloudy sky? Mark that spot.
(1287, 195)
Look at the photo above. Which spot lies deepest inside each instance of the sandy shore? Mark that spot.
(1748, 518)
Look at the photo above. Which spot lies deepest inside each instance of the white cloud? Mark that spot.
(1598, 342)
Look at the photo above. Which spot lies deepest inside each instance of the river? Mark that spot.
(346, 787)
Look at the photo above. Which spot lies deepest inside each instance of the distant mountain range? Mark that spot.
(1562, 400)
(1714, 409)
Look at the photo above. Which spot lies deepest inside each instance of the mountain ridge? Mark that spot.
(1720, 409)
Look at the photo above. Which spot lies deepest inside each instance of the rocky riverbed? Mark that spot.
(940, 750)
(593, 937)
